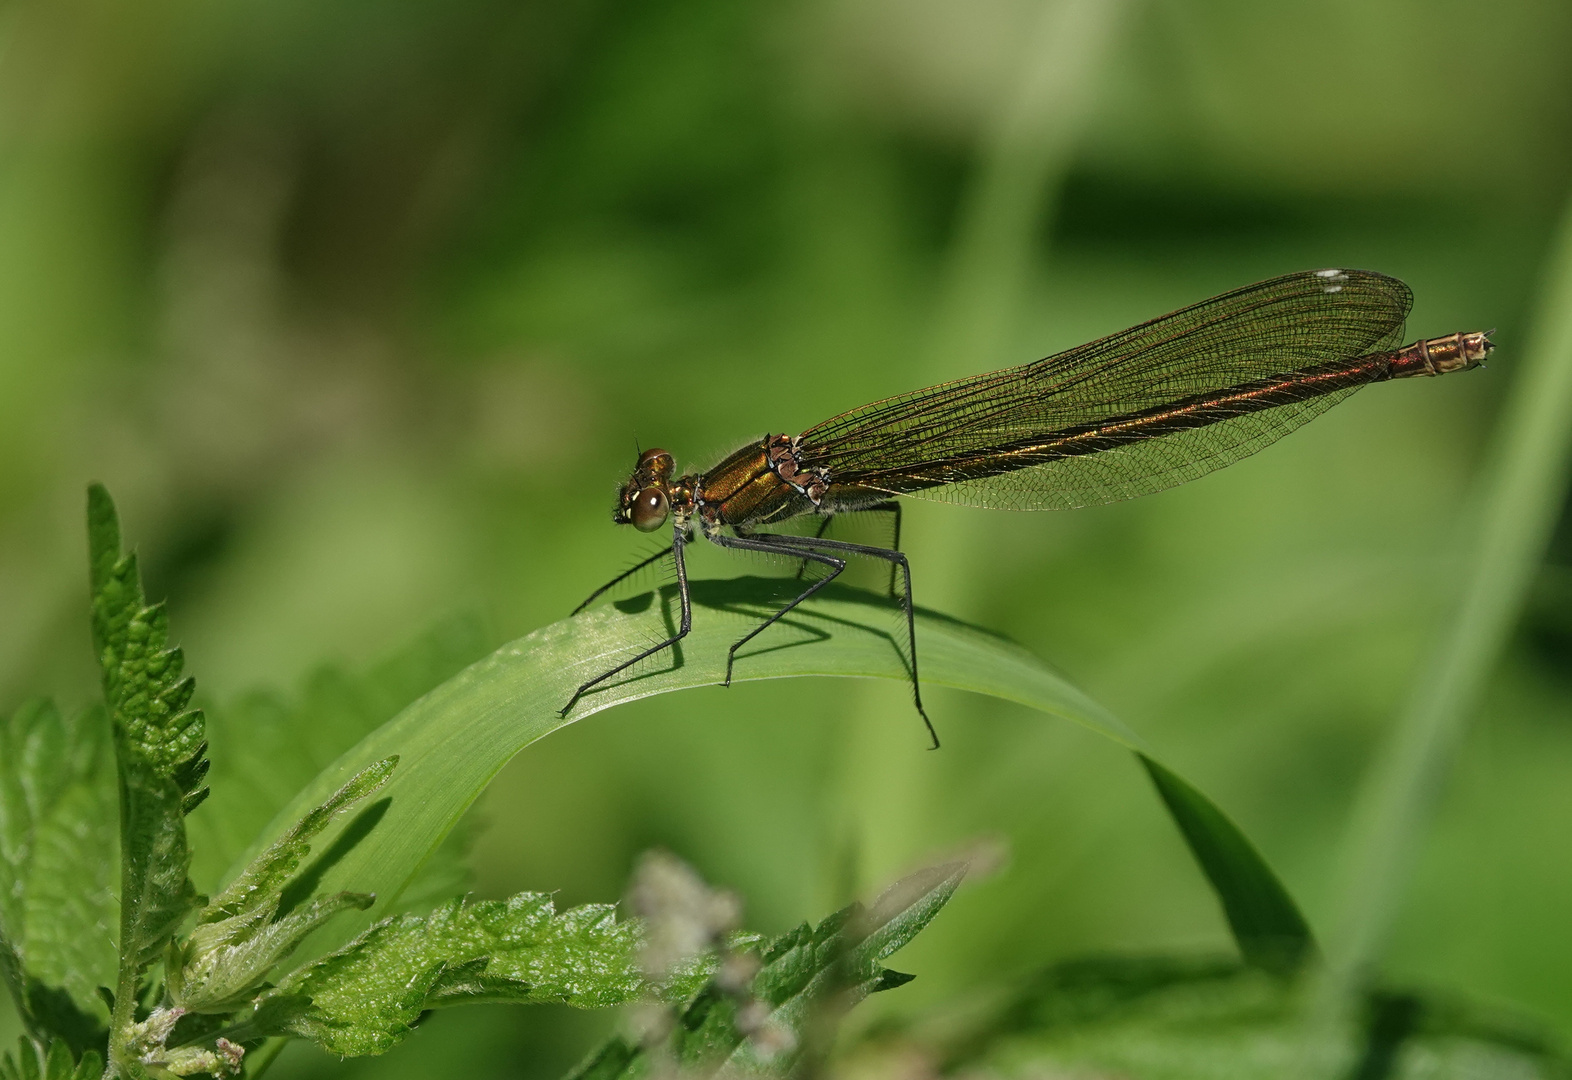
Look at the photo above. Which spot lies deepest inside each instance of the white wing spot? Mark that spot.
(1331, 276)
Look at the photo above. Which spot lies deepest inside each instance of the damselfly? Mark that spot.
(1129, 414)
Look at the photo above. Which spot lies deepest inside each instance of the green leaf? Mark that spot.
(456, 738)
(364, 998)
(258, 888)
(241, 934)
(57, 846)
(159, 751)
(153, 1049)
(841, 957)
(1271, 932)
(808, 977)
(27, 1063)
(143, 687)
(266, 746)
(1203, 1018)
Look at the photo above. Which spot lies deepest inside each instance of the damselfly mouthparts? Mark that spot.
(1129, 414)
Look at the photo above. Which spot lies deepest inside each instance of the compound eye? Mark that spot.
(657, 461)
(649, 510)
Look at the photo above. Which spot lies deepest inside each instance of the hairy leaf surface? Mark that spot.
(364, 998)
(159, 745)
(245, 931)
(160, 757)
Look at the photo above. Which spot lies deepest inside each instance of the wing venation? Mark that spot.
(1253, 335)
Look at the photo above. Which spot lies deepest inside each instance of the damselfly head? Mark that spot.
(645, 502)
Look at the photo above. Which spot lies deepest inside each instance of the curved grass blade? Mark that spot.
(1271, 932)
(456, 738)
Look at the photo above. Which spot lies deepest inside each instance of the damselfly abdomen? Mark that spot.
(1126, 415)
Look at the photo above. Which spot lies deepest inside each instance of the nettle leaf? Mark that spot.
(57, 846)
(808, 977)
(841, 958)
(260, 886)
(364, 998)
(159, 745)
(28, 1063)
(246, 930)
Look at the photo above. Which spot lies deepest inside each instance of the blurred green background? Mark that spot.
(359, 309)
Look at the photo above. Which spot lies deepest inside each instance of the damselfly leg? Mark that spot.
(683, 627)
(816, 549)
(891, 507)
(620, 578)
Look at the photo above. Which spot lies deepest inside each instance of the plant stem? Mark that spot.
(123, 1017)
(1521, 494)
(122, 1020)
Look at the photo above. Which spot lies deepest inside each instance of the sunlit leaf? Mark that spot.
(160, 755)
(249, 928)
(364, 998)
(159, 745)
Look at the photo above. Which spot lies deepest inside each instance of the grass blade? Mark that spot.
(1271, 932)
(455, 739)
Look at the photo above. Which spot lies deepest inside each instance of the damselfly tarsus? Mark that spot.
(1126, 415)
